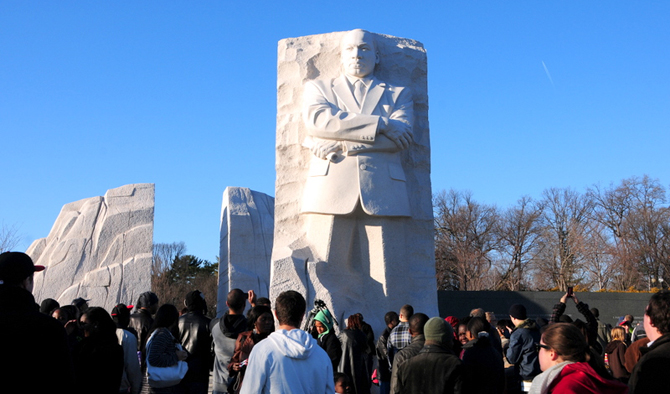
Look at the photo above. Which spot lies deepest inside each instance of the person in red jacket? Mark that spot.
(569, 366)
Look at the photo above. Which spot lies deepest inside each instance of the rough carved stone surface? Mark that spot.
(99, 248)
(297, 263)
(247, 226)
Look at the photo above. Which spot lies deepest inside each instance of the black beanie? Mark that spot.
(518, 311)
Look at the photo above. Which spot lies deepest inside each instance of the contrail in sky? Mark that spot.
(546, 70)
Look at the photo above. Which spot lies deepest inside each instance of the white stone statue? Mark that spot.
(359, 235)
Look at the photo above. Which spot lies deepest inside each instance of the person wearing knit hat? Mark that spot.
(436, 369)
(521, 351)
(323, 323)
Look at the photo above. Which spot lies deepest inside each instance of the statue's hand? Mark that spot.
(322, 148)
(398, 132)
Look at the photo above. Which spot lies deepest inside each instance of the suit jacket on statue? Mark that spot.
(369, 168)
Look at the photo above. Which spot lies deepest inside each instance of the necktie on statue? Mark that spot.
(359, 92)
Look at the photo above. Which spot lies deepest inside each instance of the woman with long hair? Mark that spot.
(162, 348)
(262, 324)
(569, 366)
(352, 362)
(616, 351)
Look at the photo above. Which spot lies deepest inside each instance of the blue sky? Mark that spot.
(523, 96)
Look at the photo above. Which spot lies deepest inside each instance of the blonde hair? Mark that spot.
(618, 334)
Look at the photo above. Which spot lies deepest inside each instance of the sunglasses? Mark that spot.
(539, 346)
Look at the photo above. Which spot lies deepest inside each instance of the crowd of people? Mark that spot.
(161, 349)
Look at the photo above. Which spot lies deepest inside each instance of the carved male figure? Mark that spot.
(357, 127)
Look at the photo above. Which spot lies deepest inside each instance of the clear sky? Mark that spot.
(524, 95)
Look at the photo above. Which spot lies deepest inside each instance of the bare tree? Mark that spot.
(464, 239)
(164, 255)
(564, 237)
(518, 232)
(9, 237)
(638, 218)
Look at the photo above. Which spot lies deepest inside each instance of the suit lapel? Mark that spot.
(373, 96)
(342, 91)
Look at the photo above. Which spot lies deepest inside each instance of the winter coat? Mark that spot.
(650, 375)
(352, 363)
(435, 370)
(616, 351)
(575, 378)
(480, 360)
(521, 351)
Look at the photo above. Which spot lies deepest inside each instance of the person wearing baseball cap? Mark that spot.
(30, 339)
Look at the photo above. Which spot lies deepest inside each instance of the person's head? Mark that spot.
(323, 322)
(391, 319)
(630, 319)
(354, 322)
(439, 332)
(97, 323)
(358, 53)
(517, 313)
(148, 301)
(81, 304)
(562, 342)
(236, 301)
(618, 334)
(290, 308)
(195, 302)
(477, 312)
(416, 323)
(121, 315)
(62, 315)
(595, 312)
(475, 326)
(491, 318)
(406, 313)
(48, 306)
(261, 319)
(264, 301)
(657, 315)
(17, 269)
(167, 316)
(342, 383)
(463, 333)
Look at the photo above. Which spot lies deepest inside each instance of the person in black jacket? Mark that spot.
(98, 358)
(323, 323)
(650, 374)
(33, 342)
(384, 365)
(196, 339)
(483, 370)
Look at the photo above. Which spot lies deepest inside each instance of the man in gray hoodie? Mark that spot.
(289, 361)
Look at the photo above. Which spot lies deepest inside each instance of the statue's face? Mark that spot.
(358, 53)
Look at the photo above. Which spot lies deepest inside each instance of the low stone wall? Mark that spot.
(540, 303)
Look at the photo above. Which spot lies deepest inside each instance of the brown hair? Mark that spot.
(354, 322)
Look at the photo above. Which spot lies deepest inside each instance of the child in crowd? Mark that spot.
(342, 383)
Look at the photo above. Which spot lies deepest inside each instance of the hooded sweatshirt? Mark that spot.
(225, 331)
(289, 362)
